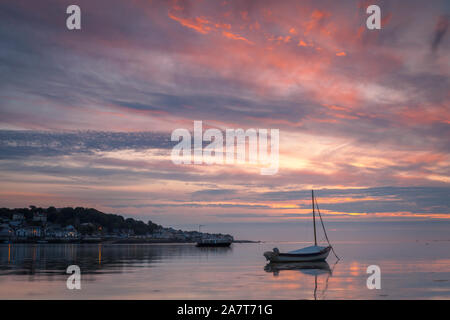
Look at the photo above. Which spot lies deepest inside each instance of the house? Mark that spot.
(54, 233)
(5, 220)
(162, 234)
(70, 232)
(18, 217)
(39, 217)
(29, 232)
(6, 232)
(16, 223)
(57, 232)
(181, 236)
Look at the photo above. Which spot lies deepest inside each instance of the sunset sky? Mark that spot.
(364, 115)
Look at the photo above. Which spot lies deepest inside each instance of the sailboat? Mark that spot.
(311, 253)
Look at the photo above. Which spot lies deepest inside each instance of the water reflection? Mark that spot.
(312, 268)
(183, 271)
(309, 268)
(50, 259)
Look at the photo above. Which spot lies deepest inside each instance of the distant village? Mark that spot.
(86, 225)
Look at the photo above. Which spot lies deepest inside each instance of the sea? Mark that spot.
(413, 260)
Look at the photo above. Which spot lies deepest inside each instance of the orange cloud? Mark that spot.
(234, 36)
(302, 43)
(316, 21)
(198, 24)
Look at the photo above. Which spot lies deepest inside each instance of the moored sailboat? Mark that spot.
(311, 253)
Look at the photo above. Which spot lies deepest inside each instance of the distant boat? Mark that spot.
(311, 253)
(214, 242)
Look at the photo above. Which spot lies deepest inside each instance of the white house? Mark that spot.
(39, 217)
(61, 233)
(162, 234)
(70, 232)
(29, 232)
(18, 217)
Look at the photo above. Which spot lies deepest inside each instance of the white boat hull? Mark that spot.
(292, 257)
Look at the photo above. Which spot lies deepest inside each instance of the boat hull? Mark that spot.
(300, 257)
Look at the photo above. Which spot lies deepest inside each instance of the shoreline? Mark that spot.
(110, 241)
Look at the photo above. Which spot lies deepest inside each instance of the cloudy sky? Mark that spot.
(364, 115)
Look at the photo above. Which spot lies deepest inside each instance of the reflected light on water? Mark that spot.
(183, 271)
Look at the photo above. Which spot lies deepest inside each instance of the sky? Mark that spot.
(364, 115)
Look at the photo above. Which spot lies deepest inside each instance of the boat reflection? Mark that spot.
(310, 268)
(215, 249)
(313, 268)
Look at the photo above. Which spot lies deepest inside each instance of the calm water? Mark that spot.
(410, 270)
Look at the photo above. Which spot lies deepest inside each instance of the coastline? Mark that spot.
(112, 241)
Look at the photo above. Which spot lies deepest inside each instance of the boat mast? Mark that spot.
(314, 217)
(325, 231)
